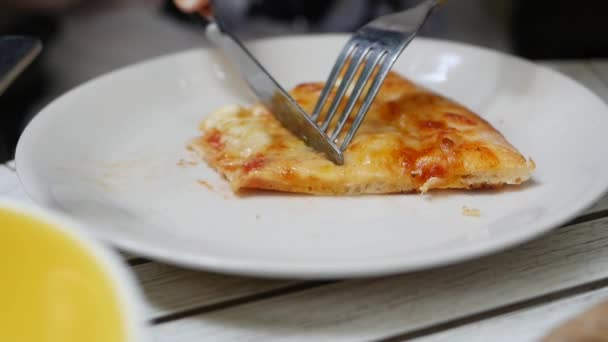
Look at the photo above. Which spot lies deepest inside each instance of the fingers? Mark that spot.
(191, 6)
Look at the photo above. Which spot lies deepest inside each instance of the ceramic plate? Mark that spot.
(112, 153)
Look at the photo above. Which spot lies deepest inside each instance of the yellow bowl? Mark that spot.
(57, 284)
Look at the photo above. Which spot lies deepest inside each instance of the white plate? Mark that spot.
(106, 153)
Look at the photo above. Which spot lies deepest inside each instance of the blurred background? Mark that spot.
(86, 38)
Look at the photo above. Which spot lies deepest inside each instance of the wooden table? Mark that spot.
(516, 295)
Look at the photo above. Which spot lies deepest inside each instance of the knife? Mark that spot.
(269, 92)
(16, 54)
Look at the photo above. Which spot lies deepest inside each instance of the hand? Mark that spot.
(191, 6)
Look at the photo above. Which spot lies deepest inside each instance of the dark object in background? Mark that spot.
(560, 29)
(28, 88)
(311, 10)
(318, 14)
(16, 55)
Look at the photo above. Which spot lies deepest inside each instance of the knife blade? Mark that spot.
(271, 94)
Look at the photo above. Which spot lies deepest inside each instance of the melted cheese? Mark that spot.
(411, 140)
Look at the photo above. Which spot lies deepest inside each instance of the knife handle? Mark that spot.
(16, 54)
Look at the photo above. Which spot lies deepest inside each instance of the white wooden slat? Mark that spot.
(375, 308)
(10, 186)
(600, 205)
(525, 325)
(584, 73)
(127, 255)
(8, 180)
(170, 289)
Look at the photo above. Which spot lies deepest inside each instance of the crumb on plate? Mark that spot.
(185, 163)
(205, 184)
(471, 212)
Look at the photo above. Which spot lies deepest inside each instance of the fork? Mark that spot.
(369, 54)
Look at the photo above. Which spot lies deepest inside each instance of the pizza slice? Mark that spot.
(412, 140)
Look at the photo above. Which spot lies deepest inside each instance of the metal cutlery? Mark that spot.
(16, 54)
(368, 56)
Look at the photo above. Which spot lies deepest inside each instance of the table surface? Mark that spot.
(516, 295)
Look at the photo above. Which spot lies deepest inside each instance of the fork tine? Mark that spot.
(374, 57)
(369, 98)
(333, 76)
(356, 59)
